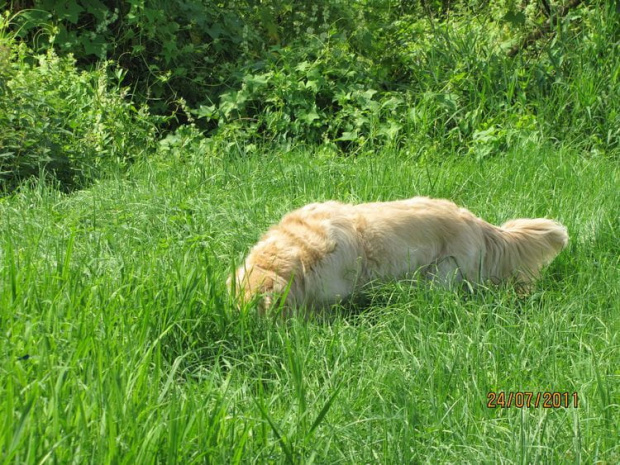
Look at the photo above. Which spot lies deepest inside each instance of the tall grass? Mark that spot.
(120, 345)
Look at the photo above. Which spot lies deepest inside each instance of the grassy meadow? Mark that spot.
(120, 345)
(144, 151)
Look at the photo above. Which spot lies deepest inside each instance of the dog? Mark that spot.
(323, 253)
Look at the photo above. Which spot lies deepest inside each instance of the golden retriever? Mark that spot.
(324, 252)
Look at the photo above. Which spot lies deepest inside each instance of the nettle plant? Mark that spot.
(322, 92)
(176, 49)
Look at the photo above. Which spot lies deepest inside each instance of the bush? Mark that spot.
(69, 123)
(435, 74)
(433, 84)
(173, 51)
(321, 92)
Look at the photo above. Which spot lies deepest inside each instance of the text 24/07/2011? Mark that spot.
(532, 399)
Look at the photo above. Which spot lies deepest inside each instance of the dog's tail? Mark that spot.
(520, 248)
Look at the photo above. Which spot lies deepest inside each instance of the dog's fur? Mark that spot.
(324, 252)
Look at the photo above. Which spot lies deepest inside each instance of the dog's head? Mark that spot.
(252, 282)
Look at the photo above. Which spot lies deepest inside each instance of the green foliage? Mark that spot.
(320, 93)
(582, 69)
(69, 123)
(433, 75)
(441, 84)
(350, 73)
(172, 51)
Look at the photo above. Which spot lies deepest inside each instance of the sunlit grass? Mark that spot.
(120, 345)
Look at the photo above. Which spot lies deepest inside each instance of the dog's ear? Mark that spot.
(274, 291)
(260, 285)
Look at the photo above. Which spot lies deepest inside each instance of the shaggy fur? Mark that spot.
(324, 252)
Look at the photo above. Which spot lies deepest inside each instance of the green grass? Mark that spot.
(120, 345)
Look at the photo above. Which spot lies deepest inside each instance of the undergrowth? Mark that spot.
(74, 125)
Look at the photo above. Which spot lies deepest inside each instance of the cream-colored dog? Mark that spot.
(324, 252)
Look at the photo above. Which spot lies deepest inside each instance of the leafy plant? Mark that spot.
(66, 122)
(437, 74)
(322, 92)
(172, 51)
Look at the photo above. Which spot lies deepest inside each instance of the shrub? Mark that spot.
(462, 76)
(319, 92)
(429, 82)
(69, 123)
(174, 51)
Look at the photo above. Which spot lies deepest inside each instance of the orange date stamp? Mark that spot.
(529, 399)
